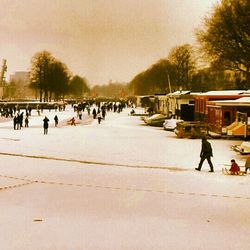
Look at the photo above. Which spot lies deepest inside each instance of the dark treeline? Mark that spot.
(112, 90)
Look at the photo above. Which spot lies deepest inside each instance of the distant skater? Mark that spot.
(45, 125)
(18, 121)
(72, 121)
(26, 122)
(80, 114)
(21, 120)
(56, 120)
(15, 120)
(94, 113)
(88, 109)
(99, 117)
(206, 153)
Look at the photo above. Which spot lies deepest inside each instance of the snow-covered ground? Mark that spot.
(117, 185)
(126, 138)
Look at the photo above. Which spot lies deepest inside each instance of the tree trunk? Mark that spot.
(41, 95)
(248, 79)
(50, 96)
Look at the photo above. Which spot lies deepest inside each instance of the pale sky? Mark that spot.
(101, 40)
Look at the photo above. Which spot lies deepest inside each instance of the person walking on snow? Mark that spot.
(94, 113)
(26, 121)
(80, 114)
(206, 153)
(45, 125)
(99, 117)
(56, 120)
(15, 120)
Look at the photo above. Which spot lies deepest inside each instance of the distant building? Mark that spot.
(21, 77)
(18, 87)
(2, 78)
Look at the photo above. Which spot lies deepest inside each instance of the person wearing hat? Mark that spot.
(206, 153)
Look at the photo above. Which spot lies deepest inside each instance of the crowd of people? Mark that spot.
(95, 110)
(11, 111)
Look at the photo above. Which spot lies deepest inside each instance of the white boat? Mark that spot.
(243, 149)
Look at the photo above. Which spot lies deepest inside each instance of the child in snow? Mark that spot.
(234, 167)
(72, 121)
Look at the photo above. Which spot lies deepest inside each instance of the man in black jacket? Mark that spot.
(206, 153)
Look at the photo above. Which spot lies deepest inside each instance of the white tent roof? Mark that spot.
(243, 101)
(224, 92)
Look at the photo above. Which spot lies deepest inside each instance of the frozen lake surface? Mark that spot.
(117, 185)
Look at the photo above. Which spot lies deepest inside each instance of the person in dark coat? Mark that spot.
(15, 120)
(26, 121)
(206, 153)
(45, 125)
(18, 121)
(56, 120)
(103, 113)
(94, 113)
(88, 109)
(99, 117)
(21, 120)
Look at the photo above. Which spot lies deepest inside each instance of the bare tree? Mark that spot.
(225, 36)
(182, 58)
(59, 79)
(49, 75)
(39, 74)
(78, 86)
